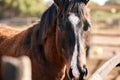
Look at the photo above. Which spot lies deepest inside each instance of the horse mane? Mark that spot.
(48, 20)
(35, 36)
(40, 30)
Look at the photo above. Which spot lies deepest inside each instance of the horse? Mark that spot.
(55, 44)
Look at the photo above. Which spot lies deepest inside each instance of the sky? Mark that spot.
(101, 2)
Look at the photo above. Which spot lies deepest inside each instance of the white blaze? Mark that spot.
(74, 19)
(75, 71)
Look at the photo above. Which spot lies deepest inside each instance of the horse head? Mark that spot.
(72, 23)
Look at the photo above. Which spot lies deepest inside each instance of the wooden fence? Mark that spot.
(105, 7)
(104, 43)
(16, 68)
(106, 68)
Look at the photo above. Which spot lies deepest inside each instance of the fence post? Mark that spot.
(16, 68)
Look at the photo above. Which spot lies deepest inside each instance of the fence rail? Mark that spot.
(105, 7)
(103, 71)
(104, 41)
(16, 68)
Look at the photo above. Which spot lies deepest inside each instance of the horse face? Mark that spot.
(72, 22)
(80, 22)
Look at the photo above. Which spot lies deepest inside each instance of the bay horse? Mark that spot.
(55, 44)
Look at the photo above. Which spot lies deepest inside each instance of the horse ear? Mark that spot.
(60, 3)
(85, 1)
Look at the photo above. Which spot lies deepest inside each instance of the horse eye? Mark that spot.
(86, 25)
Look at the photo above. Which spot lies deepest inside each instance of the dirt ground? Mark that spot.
(94, 64)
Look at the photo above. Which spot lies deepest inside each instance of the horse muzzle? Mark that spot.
(80, 74)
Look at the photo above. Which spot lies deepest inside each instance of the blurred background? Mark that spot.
(104, 40)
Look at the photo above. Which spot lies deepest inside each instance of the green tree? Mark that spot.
(113, 2)
(22, 7)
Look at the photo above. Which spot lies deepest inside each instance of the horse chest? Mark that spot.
(47, 71)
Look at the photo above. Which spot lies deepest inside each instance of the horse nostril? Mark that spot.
(70, 73)
(83, 72)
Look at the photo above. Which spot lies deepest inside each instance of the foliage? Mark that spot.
(22, 7)
(113, 2)
(103, 15)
